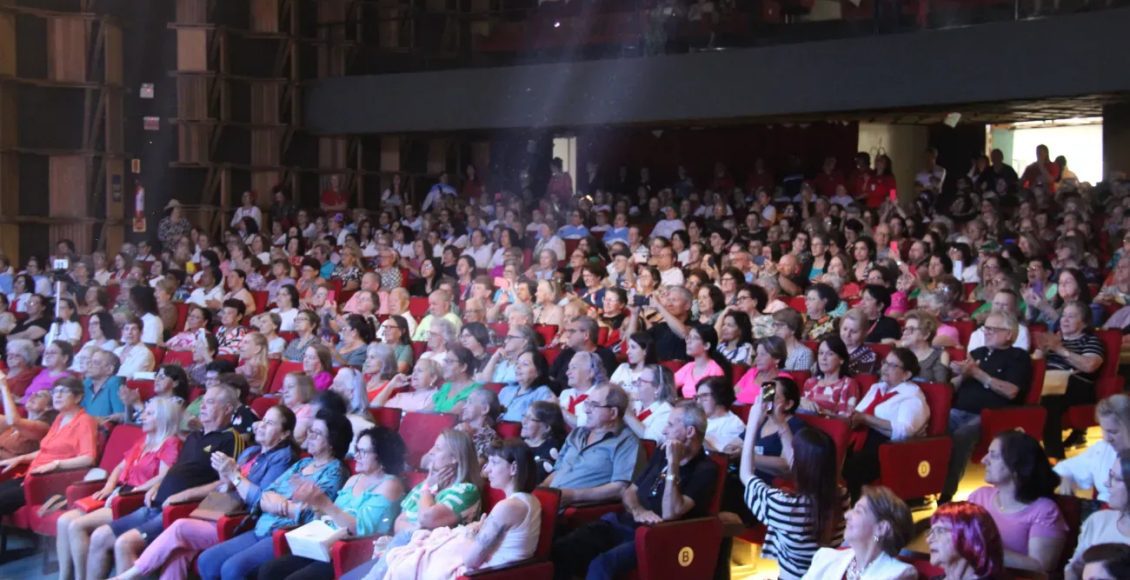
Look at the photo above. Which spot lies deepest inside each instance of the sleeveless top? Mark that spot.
(520, 541)
(374, 512)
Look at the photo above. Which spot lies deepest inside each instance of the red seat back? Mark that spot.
(387, 417)
(689, 547)
(964, 329)
(551, 354)
(550, 500)
(419, 347)
(838, 429)
(939, 397)
(881, 350)
(547, 332)
(285, 368)
(1036, 389)
(121, 440)
(181, 358)
(158, 355)
(737, 372)
(263, 404)
(260, 298)
(496, 387)
(500, 330)
(144, 388)
(1112, 345)
(420, 430)
(182, 315)
(509, 429)
(418, 307)
(865, 383)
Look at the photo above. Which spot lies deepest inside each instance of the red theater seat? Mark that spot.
(917, 467)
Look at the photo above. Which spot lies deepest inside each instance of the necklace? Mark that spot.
(853, 571)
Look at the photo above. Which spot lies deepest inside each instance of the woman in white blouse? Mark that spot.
(287, 307)
(103, 336)
(894, 409)
(878, 528)
(641, 353)
(655, 390)
(134, 356)
(66, 326)
(1108, 526)
(1089, 469)
(723, 428)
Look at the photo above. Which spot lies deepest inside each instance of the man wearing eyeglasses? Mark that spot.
(678, 483)
(597, 461)
(994, 376)
(581, 335)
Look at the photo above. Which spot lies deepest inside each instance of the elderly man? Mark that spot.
(669, 272)
(190, 478)
(581, 335)
(607, 548)
(790, 277)
(597, 461)
(439, 306)
(100, 397)
(371, 282)
(994, 376)
(671, 317)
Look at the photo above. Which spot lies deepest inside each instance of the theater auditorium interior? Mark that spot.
(504, 289)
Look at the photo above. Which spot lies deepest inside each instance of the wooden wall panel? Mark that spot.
(265, 15)
(113, 53)
(192, 49)
(192, 98)
(66, 49)
(265, 102)
(67, 183)
(7, 43)
(192, 11)
(9, 201)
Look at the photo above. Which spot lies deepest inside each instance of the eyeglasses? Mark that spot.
(995, 329)
(590, 403)
(314, 433)
(891, 365)
(60, 391)
(935, 531)
(362, 451)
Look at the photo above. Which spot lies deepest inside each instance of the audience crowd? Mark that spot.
(673, 350)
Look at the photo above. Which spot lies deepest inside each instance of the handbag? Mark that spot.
(217, 505)
(315, 539)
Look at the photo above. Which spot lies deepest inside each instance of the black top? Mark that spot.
(561, 364)
(885, 327)
(1007, 364)
(194, 464)
(243, 420)
(41, 322)
(542, 457)
(668, 345)
(697, 480)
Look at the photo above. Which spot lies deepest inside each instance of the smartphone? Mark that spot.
(331, 296)
(502, 283)
(895, 252)
(958, 268)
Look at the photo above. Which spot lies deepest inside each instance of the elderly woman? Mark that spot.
(56, 362)
(819, 301)
(1106, 526)
(655, 395)
(478, 419)
(767, 361)
(1077, 350)
(367, 504)
(831, 391)
(257, 468)
(394, 331)
(459, 382)
(449, 496)
(306, 324)
(1020, 496)
(21, 357)
(379, 370)
(442, 335)
(317, 364)
(788, 326)
(198, 319)
(531, 384)
(20, 435)
(546, 308)
(143, 467)
(268, 325)
(965, 542)
(853, 329)
(426, 376)
(327, 443)
(918, 337)
(583, 373)
(878, 528)
(892, 410)
(70, 443)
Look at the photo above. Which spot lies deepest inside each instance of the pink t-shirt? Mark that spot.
(1041, 519)
(687, 380)
(748, 388)
(950, 332)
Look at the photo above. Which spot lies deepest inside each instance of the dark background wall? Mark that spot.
(986, 63)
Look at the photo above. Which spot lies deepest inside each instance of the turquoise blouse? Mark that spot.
(329, 478)
(375, 514)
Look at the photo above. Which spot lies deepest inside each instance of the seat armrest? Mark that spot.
(126, 503)
(350, 553)
(40, 487)
(77, 491)
(177, 510)
(278, 537)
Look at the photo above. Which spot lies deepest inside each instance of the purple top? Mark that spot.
(1040, 519)
(42, 382)
(323, 380)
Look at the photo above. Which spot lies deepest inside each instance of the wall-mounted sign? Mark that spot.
(146, 91)
(151, 123)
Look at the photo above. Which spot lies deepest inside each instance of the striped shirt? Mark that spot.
(792, 538)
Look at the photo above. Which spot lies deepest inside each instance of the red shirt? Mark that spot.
(879, 189)
(141, 467)
(1032, 176)
(858, 181)
(825, 183)
(331, 198)
(77, 438)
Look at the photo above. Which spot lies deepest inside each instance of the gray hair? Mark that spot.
(446, 329)
(24, 348)
(387, 358)
(686, 294)
(521, 310)
(693, 416)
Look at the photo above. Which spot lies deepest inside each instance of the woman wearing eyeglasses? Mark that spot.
(918, 337)
(142, 468)
(965, 542)
(532, 384)
(655, 391)
(894, 409)
(768, 358)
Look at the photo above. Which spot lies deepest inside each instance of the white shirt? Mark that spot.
(152, 329)
(1091, 468)
(481, 255)
(286, 319)
(201, 296)
(553, 243)
(138, 359)
(435, 193)
(665, 228)
(724, 430)
(672, 277)
(907, 410)
(581, 409)
(252, 212)
(69, 331)
(977, 339)
(626, 377)
(923, 177)
(654, 423)
(1100, 528)
(833, 563)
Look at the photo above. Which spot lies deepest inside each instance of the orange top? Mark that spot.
(77, 438)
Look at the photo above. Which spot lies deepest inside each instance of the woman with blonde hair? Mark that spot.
(918, 333)
(1089, 469)
(253, 361)
(142, 468)
(546, 310)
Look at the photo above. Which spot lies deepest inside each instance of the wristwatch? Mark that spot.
(236, 480)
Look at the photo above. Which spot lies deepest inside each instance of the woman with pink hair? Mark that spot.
(965, 542)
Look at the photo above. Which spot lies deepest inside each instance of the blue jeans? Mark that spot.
(236, 559)
(965, 427)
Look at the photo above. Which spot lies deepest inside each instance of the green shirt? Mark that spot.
(462, 498)
(443, 402)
